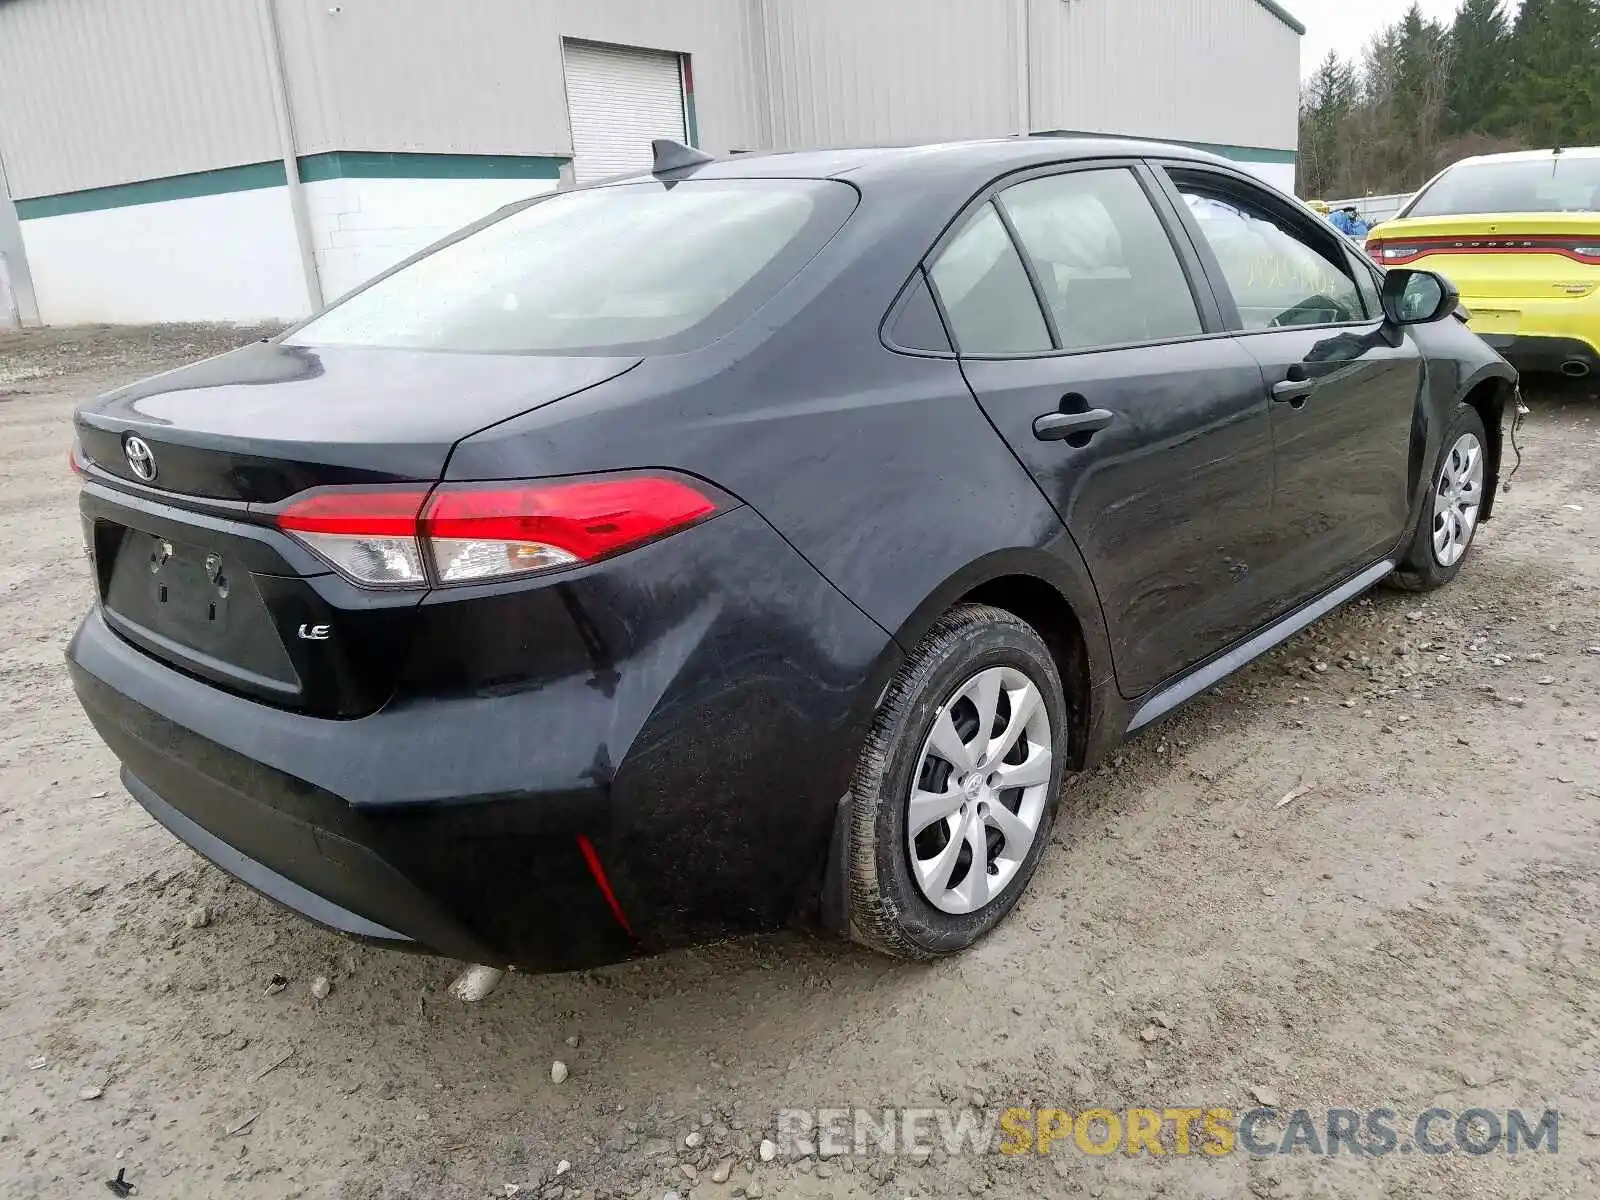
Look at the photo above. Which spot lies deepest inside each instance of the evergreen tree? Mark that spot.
(1552, 96)
(1421, 75)
(1478, 73)
(1327, 105)
(1426, 94)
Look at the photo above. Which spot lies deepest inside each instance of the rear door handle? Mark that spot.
(1058, 426)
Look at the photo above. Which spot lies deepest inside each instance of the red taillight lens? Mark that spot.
(388, 512)
(481, 531)
(74, 461)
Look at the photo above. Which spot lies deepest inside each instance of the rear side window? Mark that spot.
(1102, 258)
(985, 291)
(1558, 184)
(634, 268)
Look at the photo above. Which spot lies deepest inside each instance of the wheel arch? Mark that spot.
(1053, 593)
(1048, 587)
(1489, 392)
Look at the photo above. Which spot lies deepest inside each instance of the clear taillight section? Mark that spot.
(370, 536)
(470, 533)
(1383, 253)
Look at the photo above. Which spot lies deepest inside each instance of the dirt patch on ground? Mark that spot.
(1416, 930)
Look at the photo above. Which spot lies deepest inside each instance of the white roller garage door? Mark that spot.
(618, 100)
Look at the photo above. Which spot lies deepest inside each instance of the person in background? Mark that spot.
(1349, 222)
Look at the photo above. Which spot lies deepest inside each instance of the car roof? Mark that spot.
(1533, 155)
(985, 157)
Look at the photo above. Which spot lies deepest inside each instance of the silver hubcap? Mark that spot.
(1456, 500)
(980, 790)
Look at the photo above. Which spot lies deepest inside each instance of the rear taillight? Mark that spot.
(479, 532)
(371, 536)
(74, 462)
(1389, 252)
(469, 533)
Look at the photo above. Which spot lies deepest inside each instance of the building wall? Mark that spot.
(1222, 72)
(859, 72)
(144, 151)
(225, 257)
(17, 303)
(485, 76)
(100, 92)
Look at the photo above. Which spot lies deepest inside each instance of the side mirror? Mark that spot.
(1412, 297)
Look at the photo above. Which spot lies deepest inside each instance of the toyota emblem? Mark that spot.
(141, 460)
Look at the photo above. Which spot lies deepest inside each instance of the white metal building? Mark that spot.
(242, 159)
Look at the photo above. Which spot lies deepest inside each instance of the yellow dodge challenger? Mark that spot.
(1519, 236)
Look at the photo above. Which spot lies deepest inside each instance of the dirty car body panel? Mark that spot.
(591, 759)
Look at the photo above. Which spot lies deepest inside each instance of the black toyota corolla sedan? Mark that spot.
(755, 540)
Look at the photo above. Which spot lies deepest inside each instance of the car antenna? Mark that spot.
(674, 156)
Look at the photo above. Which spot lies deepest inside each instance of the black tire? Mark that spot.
(888, 910)
(1420, 569)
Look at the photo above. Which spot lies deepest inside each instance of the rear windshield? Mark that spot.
(1530, 185)
(631, 268)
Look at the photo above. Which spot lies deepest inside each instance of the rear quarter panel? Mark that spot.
(877, 466)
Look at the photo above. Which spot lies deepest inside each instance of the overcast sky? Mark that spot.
(1346, 25)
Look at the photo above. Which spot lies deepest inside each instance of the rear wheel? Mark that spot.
(956, 788)
(1450, 514)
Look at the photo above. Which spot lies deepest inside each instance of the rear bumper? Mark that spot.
(1538, 354)
(263, 878)
(1538, 334)
(668, 776)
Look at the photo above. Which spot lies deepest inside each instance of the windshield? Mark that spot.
(1529, 185)
(631, 268)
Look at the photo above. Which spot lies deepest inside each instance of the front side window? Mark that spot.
(985, 292)
(1102, 258)
(1536, 185)
(1278, 280)
(635, 268)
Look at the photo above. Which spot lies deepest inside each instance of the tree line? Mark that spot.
(1426, 93)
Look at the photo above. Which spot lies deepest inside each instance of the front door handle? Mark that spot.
(1294, 388)
(1060, 426)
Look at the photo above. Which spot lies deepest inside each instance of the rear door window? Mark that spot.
(1102, 258)
(984, 290)
(643, 267)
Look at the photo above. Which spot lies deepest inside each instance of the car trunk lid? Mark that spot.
(185, 473)
(270, 420)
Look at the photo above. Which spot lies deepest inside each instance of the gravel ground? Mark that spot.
(1418, 929)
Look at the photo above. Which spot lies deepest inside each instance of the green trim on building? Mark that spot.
(152, 191)
(343, 164)
(369, 164)
(1284, 15)
(1256, 154)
